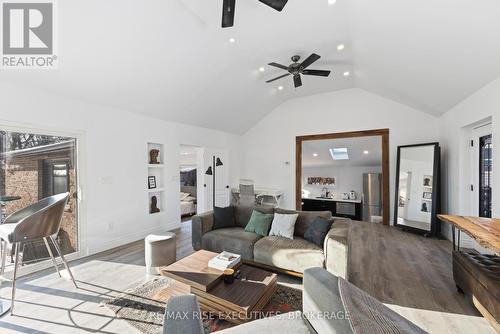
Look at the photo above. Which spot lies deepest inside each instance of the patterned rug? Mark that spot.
(143, 307)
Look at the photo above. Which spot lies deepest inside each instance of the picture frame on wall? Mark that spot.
(427, 195)
(151, 182)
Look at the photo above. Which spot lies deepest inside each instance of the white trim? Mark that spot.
(126, 239)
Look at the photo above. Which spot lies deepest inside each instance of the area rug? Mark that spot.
(143, 307)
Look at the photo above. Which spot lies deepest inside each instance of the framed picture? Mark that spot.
(427, 182)
(151, 182)
(321, 181)
(427, 195)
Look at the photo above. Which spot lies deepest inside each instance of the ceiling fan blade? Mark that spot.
(283, 67)
(320, 73)
(276, 4)
(297, 81)
(281, 76)
(309, 60)
(228, 13)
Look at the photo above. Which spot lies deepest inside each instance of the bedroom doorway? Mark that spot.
(188, 169)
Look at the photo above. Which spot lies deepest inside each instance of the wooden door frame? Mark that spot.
(383, 133)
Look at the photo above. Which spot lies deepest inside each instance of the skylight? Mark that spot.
(339, 153)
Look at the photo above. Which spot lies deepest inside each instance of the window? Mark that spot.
(35, 166)
(485, 176)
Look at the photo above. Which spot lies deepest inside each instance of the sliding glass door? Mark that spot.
(35, 166)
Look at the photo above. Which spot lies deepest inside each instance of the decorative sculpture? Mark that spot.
(153, 156)
(154, 208)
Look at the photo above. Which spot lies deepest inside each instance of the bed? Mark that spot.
(188, 204)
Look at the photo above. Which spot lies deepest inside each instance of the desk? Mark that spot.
(486, 231)
(261, 192)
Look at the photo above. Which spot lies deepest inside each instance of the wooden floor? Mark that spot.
(410, 273)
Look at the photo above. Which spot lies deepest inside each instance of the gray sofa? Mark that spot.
(290, 255)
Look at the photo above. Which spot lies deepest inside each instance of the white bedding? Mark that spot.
(188, 207)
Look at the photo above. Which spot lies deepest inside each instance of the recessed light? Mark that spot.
(332, 2)
(346, 74)
(232, 40)
(365, 152)
(261, 69)
(315, 154)
(340, 47)
(281, 87)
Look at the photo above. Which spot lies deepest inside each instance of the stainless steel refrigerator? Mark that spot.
(372, 195)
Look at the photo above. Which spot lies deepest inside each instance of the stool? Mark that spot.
(159, 251)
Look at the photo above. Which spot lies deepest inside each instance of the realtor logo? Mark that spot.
(28, 34)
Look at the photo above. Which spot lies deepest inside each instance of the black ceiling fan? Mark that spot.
(229, 5)
(296, 69)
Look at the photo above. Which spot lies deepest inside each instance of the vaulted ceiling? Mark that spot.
(170, 59)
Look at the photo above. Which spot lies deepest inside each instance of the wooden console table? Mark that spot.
(486, 231)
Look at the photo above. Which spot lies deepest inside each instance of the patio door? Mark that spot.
(35, 166)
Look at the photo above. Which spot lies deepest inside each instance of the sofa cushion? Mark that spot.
(305, 218)
(231, 239)
(259, 223)
(243, 213)
(283, 225)
(224, 217)
(296, 255)
(317, 231)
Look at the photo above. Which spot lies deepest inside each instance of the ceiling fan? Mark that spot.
(229, 5)
(296, 69)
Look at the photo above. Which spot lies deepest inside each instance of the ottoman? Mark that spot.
(159, 251)
(478, 276)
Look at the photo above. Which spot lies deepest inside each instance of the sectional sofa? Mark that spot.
(291, 255)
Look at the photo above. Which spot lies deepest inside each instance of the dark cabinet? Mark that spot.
(337, 208)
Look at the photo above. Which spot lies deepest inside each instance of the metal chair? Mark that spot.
(39, 221)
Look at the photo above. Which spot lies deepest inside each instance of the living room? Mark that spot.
(164, 76)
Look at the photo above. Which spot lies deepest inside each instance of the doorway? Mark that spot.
(368, 179)
(481, 157)
(188, 169)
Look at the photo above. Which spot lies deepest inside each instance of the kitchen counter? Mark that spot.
(334, 199)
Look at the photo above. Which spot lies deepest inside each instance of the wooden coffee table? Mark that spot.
(237, 302)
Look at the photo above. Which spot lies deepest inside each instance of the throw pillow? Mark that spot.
(259, 223)
(283, 225)
(317, 231)
(224, 217)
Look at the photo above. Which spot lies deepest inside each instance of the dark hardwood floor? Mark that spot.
(405, 269)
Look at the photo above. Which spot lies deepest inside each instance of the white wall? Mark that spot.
(481, 105)
(269, 147)
(347, 178)
(114, 145)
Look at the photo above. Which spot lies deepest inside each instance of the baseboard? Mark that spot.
(131, 237)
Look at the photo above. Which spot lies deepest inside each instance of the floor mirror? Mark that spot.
(417, 188)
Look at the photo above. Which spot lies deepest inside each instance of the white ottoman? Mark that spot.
(159, 251)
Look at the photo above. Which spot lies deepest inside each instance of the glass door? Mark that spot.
(35, 166)
(485, 176)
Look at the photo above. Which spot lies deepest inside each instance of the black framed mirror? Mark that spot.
(417, 188)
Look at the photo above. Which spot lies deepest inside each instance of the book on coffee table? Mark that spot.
(224, 260)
